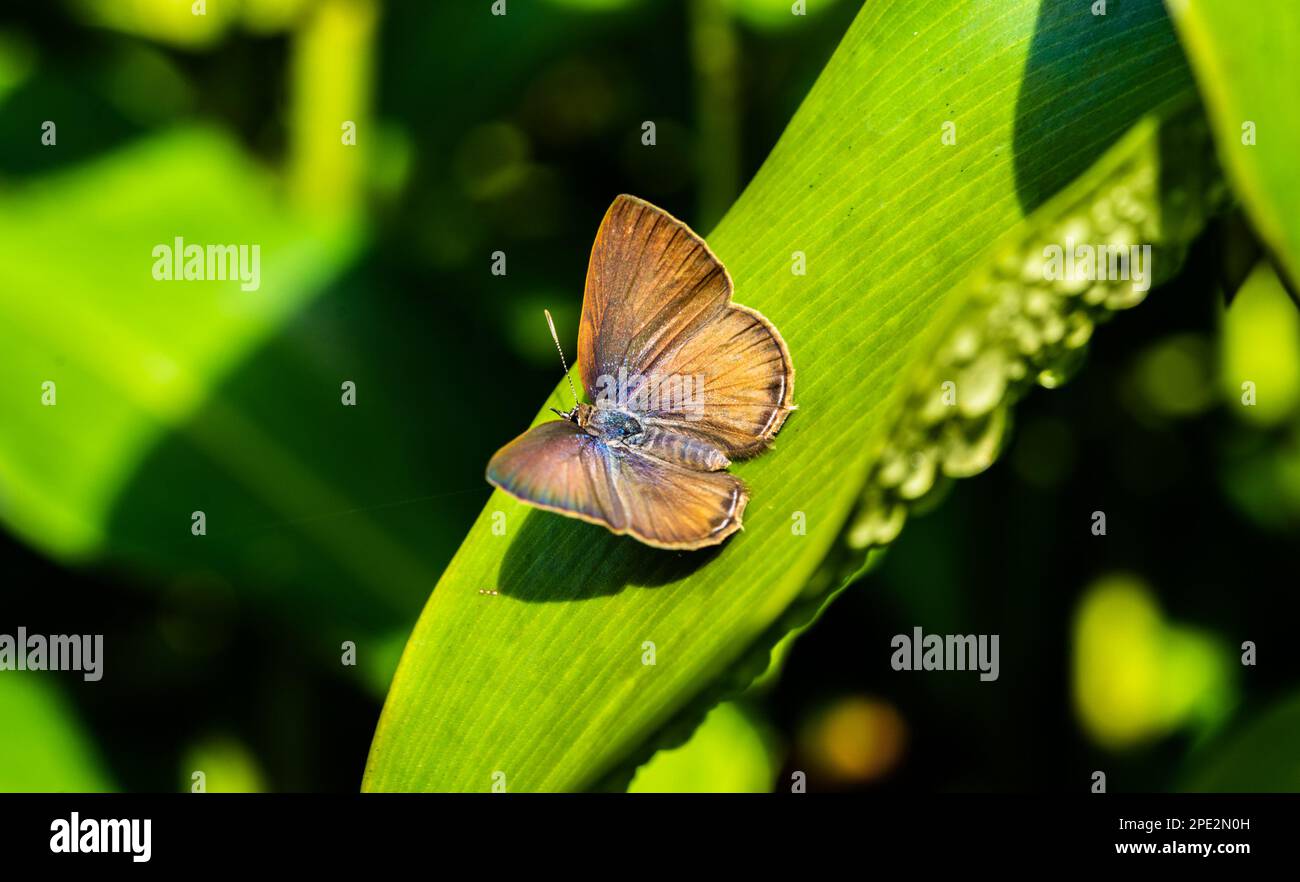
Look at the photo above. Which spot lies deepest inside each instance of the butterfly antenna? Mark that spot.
(556, 337)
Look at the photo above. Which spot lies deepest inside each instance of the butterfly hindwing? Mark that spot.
(672, 506)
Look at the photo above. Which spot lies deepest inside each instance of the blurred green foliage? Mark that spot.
(43, 746)
(1137, 677)
(1247, 61)
(1261, 347)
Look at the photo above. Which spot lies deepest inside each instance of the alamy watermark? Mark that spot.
(197, 263)
(1082, 261)
(946, 652)
(57, 652)
(654, 393)
(78, 835)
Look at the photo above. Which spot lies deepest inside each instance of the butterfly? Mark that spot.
(683, 381)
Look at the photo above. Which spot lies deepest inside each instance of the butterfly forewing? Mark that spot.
(657, 312)
(558, 466)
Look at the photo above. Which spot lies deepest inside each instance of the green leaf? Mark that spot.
(728, 753)
(1258, 757)
(1261, 347)
(528, 658)
(43, 746)
(1008, 326)
(1246, 58)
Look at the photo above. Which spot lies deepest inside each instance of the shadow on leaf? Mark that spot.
(558, 559)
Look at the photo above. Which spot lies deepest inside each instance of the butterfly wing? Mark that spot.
(672, 506)
(559, 467)
(658, 304)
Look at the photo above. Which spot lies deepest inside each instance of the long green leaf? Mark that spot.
(528, 666)
(1246, 58)
(43, 745)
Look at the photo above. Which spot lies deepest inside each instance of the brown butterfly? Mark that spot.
(683, 381)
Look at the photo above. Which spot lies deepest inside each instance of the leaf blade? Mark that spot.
(1246, 58)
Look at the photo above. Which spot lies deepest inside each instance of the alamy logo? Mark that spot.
(58, 652)
(1092, 263)
(195, 263)
(78, 835)
(654, 393)
(950, 652)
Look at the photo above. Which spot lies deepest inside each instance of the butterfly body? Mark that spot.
(683, 379)
(608, 423)
(624, 428)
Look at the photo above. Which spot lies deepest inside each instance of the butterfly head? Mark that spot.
(580, 414)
